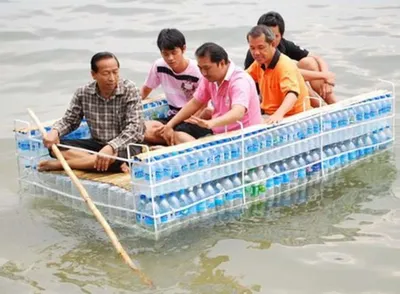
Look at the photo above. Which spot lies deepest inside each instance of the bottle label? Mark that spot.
(159, 174)
(201, 163)
(201, 206)
(148, 220)
(210, 204)
(270, 183)
(139, 173)
(184, 167)
(300, 135)
(268, 141)
(219, 201)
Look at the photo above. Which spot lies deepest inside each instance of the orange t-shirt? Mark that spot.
(276, 81)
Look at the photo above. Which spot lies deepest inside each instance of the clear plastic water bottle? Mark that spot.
(193, 203)
(277, 178)
(368, 143)
(367, 112)
(344, 157)
(219, 199)
(292, 165)
(327, 122)
(227, 184)
(165, 211)
(352, 156)
(184, 203)
(336, 152)
(175, 207)
(269, 184)
(360, 147)
(140, 206)
(210, 192)
(201, 196)
(150, 217)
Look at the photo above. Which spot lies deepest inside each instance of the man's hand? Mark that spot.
(326, 89)
(330, 78)
(168, 134)
(159, 130)
(51, 138)
(102, 163)
(204, 123)
(274, 118)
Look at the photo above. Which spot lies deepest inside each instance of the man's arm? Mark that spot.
(134, 128)
(323, 66)
(287, 104)
(236, 113)
(145, 91)
(72, 117)
(188, 110)
(310, 75)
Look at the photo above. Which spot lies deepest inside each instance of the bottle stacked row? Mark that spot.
(30, 146)
(280, 178)
(223, 157)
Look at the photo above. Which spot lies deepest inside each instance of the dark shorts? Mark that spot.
(191, 129)
(95, 146)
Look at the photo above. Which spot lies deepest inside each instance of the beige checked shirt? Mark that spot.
(116, 121)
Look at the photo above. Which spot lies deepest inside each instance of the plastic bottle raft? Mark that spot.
(179, 185)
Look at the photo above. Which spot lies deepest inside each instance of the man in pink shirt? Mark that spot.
(231, 90)
(178, 76)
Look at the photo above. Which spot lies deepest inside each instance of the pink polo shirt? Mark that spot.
(238, 88)
(178, 87)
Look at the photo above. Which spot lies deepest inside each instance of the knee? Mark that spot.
(308, 63)
(151, 126)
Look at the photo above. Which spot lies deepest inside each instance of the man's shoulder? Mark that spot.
(159, 62)
(125, 86)
(292, 50)
(240, 75)
(87, 89)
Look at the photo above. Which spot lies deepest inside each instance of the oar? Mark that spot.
(92, 206)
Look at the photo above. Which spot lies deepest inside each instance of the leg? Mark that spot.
(182, 137)
(309, 63)
(186, 132)
(82, 163)
(78, 159)
(150, 136)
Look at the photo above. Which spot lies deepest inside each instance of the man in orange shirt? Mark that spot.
(282, 87)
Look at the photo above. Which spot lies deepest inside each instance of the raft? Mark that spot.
(219, 175)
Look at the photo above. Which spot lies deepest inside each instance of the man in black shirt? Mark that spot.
(313, 68)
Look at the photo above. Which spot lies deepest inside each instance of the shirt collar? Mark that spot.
(274, 60)
(93, 89)
(230, 71)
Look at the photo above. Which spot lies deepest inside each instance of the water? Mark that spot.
(345, 238)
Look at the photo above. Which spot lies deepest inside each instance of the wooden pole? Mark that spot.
(121, 251)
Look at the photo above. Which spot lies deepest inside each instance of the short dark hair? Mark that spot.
(272, 19)
(100, 56)
(169, 39)
(260, 30)
(215, 52)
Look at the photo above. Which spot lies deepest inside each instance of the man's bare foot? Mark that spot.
(125, 168)
(48, 165)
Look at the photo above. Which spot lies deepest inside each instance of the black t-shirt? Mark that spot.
(286, 47)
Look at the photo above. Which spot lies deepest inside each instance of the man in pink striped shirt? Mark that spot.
(231, 90)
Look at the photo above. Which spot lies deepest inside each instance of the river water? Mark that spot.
(345, 239)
